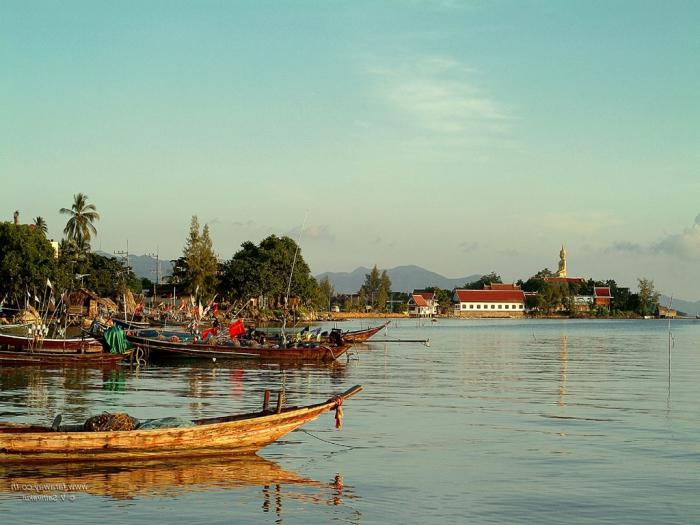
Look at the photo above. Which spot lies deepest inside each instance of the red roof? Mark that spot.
(419, 300)
(425, 295)
(565, 279)
(490, 296)
(501, 286)
(601, 291)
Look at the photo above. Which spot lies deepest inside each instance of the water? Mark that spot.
(496, 422)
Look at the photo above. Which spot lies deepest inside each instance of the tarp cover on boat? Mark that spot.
(116, 340)
(165, 422)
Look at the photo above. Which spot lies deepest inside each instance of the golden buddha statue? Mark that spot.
(562, 262)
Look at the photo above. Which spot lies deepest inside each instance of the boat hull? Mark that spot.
(77, 344)
(360, 336)
(24, 357)
(233, 435)
(318, 354)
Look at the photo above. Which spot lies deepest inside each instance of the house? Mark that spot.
(602, 296)
(666, 313)
(583, 303)
(489, 303)
(81, 303)
(422, 304)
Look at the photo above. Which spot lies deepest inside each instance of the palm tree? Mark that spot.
(40, 224)
(79, 227)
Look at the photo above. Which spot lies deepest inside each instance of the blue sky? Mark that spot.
(463, 137)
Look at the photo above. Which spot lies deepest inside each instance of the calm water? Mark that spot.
(496, 422)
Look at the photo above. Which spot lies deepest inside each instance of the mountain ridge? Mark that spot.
(404, 278)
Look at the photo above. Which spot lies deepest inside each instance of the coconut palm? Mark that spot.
(79, 227)
(40, 224)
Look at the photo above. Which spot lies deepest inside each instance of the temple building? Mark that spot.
(562, 276)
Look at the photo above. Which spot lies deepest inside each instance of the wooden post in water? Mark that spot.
(266, 401)
(280, 401)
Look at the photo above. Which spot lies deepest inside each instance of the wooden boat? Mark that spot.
(24, 357)
(73, 344)
(18, 349)
(130, 325)
(126, 479)
(222, 436)
(359, 336)
(171, 344)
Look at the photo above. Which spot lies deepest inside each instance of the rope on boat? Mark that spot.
(326, 441)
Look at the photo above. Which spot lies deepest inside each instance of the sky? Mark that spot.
(464, 137)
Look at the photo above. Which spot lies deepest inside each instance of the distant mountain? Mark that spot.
(403, 279)
(687, 307)
(145, 265)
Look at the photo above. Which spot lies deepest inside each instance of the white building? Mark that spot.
(489, 303)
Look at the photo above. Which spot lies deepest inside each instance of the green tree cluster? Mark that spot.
(265, 269)
(27, 260)
(492, 277)
(325, 293)
(198, 268)
(376, 290)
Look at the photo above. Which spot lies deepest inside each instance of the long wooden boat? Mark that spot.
(359, 336)
(265, 352)
(72, 344)
(38, 357)
(222, 436)
(23, 350)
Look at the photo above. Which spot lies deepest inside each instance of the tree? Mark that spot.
(545, 272)
(26, 261)
(40, 225)
(200, 262)
(80, 227)
(492, 277)
(108, 276)
(370, 290)
(648, 297)
(325, 293)
(268, 269)
(384, 291)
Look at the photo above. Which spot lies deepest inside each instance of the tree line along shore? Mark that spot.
(265, 281)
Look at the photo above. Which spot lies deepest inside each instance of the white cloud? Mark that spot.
(438, 95)
(469, 246)
(626, 246)
(318, 232)
(581, 224)
(684, 245)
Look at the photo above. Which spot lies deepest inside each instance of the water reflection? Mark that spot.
(563, 367)
(169, 478)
